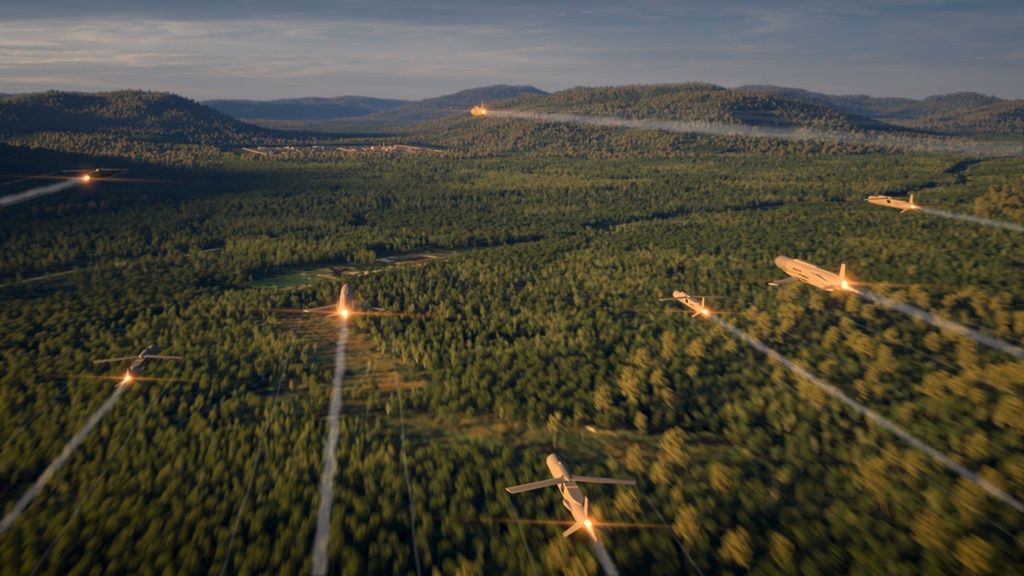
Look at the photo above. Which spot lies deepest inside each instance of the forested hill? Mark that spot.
(886, 108)
(686, 102)
(696, 102)
(128, 114)
(860, 104)
(304, 108)
(1002, 117)
(946, 104)
(434, 108)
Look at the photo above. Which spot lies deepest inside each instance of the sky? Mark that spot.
(264, 49)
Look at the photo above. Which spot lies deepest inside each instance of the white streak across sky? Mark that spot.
(61, 459)
(1012, 226)
(408, 482)
(330, 459)
(12, 199)
(899, 141)
(879, 420)
(604, 558)
(944, 324)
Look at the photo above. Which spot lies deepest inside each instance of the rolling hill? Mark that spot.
(1001, 117)
(860, 104)
(670, 102)
(884, 108)
(312, 115)
(697, 102)
(127, 114)
(304, 108)
(433, 108)
(947, 104)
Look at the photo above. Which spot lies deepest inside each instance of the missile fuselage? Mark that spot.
(699, 309)
(346, 300)
(897, 203)
(139, 363)
(572, 497)
(810, 274)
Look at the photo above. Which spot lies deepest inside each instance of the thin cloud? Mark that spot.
(409, 49)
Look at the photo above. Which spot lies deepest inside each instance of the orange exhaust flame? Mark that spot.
(86, 178)
(542, 522)
(127, 379)
(478, 111)
(119, 379)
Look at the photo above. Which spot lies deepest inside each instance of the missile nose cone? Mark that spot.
(781, 261)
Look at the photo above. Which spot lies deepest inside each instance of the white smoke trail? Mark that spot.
(901, 141)
(682, 547)
(26, 179)
(976, 219)
(604, 558)
(27, 195)
(522, 534)
(408, 483)
(60, 460)
(875, 417)
(943, 324)
(330, 458)
(252, 480)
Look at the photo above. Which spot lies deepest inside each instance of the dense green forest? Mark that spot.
(1005, 117)
(304, 108)
(886, 108)
(540, 328)
(696, 102)
(147, 116)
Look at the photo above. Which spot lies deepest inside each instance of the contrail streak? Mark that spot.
(601, 525)
(901, 141)
(27, 195)
(679, 542)
(252, 480)
(975, 219)
(604, 558)
(522, 535)
(330, 458)
(943, 324)
(60, 460)
(80, 501)
(408, 483)
(875, 417)
(21, 179)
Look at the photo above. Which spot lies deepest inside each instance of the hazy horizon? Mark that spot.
(459, 89)
(264, 50)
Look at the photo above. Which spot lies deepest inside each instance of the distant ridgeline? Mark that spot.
(155, 125)
(959, 112)
(304, 108)
(704, 103)
(769, 109)
(151, 116)
(364, 111)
